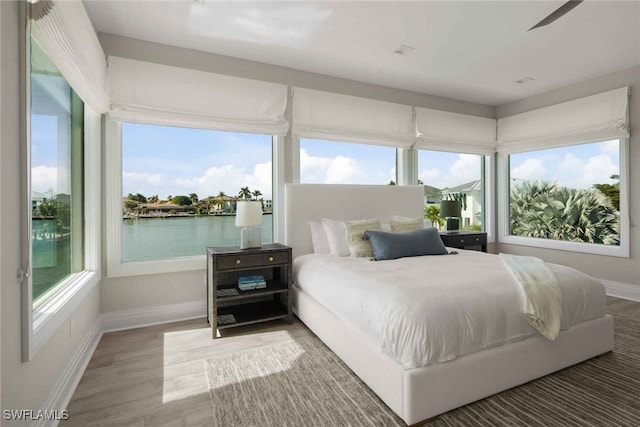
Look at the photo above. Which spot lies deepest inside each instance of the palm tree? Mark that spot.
(154, 199)
(194, 198)
(245, 193)
(432, 213)
(545, 210)
(221, 194)
(256, 194)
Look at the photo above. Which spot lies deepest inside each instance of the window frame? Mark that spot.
(116, 267)
(505, 237)
(488, 177)
(41, 322)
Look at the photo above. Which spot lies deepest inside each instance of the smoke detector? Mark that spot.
(524, 80)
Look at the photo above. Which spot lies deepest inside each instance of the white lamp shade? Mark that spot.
(248, 213)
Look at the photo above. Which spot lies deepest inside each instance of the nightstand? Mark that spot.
(474, 240)
(227, 305)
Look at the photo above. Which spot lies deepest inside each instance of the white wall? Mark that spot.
(127, 293)
(25, 385)
(625, 270)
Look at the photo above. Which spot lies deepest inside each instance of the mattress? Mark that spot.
(431, 309)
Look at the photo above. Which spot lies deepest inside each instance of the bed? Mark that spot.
(417, 393)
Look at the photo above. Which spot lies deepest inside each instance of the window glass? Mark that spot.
(56, 151)
(325, 162)
(180, 188)
(569, 193)
(445, 175)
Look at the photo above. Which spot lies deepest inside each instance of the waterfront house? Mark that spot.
(472, 215)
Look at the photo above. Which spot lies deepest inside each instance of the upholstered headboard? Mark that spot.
(311, 202)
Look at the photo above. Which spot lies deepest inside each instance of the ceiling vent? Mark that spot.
(404, 49)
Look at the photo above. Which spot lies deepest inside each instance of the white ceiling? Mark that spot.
(472, 51)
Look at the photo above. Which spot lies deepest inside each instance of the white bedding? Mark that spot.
(424, 310)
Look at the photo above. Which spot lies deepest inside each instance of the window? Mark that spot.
(62, 230)
(56, 150)
(324, 162)
(569, 194)
(445, 173)
(180, 187)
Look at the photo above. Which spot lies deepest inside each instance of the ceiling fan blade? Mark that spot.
(559, 12)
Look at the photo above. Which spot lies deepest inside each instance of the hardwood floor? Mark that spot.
(155, 376)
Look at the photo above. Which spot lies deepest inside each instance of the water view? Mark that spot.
(146, 239)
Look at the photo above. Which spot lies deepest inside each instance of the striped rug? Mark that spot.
(299, 383)
(304, 384)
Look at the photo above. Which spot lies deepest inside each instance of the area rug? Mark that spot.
(304, 384)
(298, 383)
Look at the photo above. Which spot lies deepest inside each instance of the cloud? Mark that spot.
(598, 170)
(147, 184)
(328, 170)
(44, 178)
(611, 148)
(429, 176)
(465, 168)
(228, 179)
(529, 169)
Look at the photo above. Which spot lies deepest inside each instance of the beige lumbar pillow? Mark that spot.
(358, 243)
(400, 224)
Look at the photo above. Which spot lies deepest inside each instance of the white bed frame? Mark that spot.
(421, 393)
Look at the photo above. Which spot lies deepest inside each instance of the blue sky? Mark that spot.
(578, 166)
(170, 161)
(44, 155)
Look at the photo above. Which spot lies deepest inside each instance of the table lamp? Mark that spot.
(249, 217)
(451, 210)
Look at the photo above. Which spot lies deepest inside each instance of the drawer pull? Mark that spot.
(461, 240)
(238, 262)
(270, 258)
(477, 239)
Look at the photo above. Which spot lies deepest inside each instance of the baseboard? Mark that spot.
(64, 388)
(622, 290)
(137, 318)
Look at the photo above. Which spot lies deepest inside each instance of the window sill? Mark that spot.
(51, 314)
(139, 268)
(587, 248)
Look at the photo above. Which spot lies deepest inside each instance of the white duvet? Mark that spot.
(429, 309)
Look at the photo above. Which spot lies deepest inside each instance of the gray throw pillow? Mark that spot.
(413, 243)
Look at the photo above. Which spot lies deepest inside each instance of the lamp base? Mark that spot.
(453, 224)
(250, 237)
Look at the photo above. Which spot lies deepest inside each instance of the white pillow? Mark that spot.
(401, 224)
(319, 238)
(359, 244)
(336, 236)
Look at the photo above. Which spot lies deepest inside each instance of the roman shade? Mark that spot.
(593, 118)
(64, 32)
(344, 118)
(442, 130)
(161, 94)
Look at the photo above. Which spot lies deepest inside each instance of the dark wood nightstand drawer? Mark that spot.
(467, 240)
(475, 240)
(228, 262)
